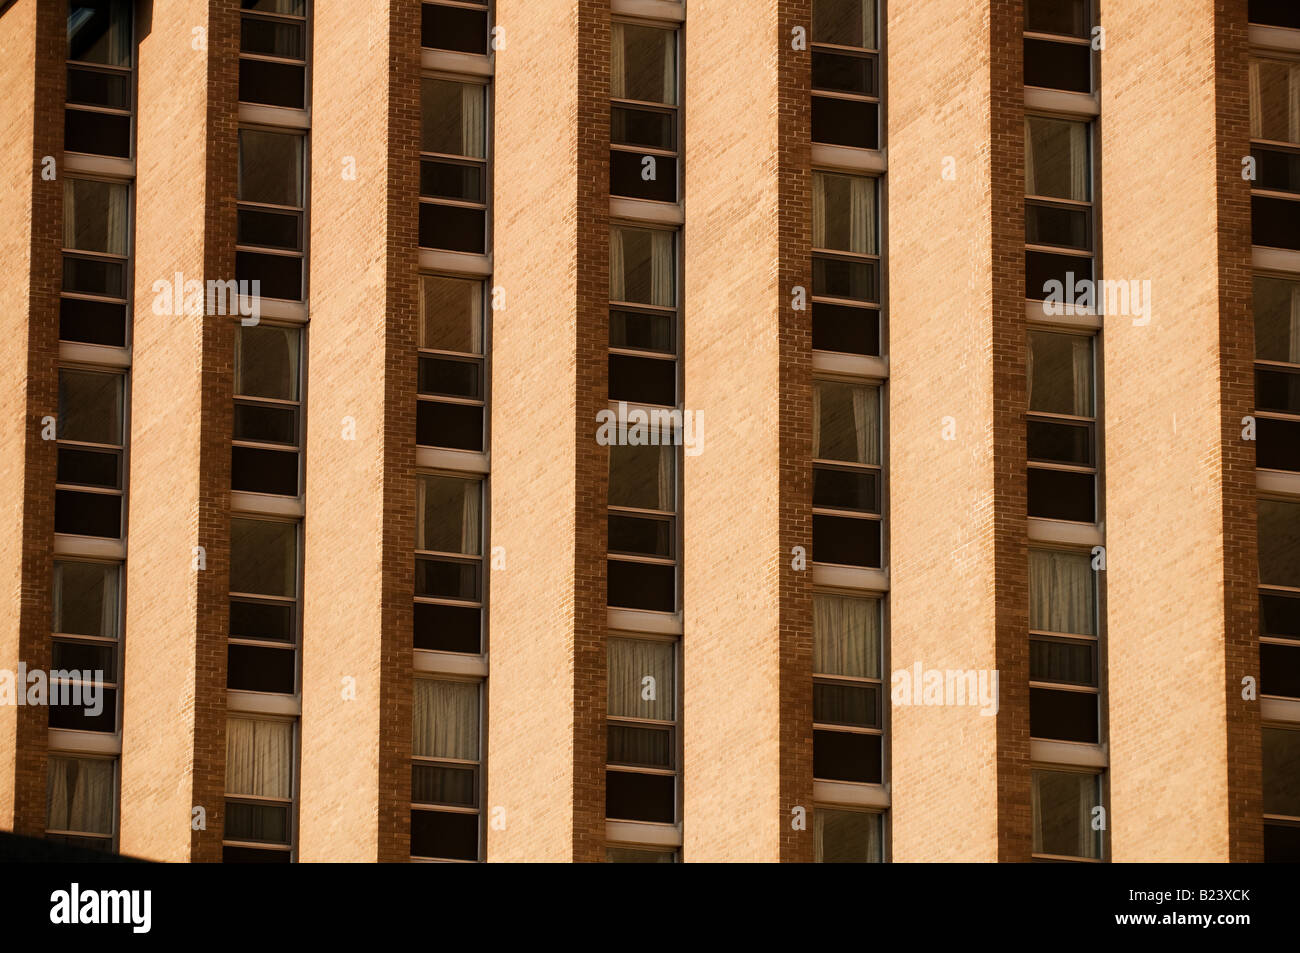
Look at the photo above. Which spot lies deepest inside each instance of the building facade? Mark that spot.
(652, 430)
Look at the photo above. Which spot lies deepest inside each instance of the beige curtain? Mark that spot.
(617, 265)
(259, 758)
(667, 471)
(819, 210)
(846, 636)
(1061, 592)
(445, 717)
(617, 61)
(844, 213)
(1293, 103)
(630, 662)
(473, 120)
(1294, 346)
(95, 216)
(866, 423)
(846, 837)
(1079, 185)
(661, 268)
(80, 795)
(85, 587)
(1082, 359)
(862, 215)
(1031, 186)
(837, 407)
(442, 499)
(1256, 102)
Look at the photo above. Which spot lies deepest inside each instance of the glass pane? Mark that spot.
(85, 599)
(259, 758)
(1062, 592)
(846, 636)
(642, 477)
(272, 38)
(1275, 100)
(453, 118)
(434, 784)
(641, 679)
(642, 266)
(451, 314)
(643, 63)
(99, 31)
(445, 719)
(1279, 543)
(844, 213)
(1060, 660)
(1056, 159)
(846, 422)
(1282, 771)
(844, 22)
(1060, 373)
(90, 407)
(639, 746)
(646, 331)
(80, 794)
(448, 516)
(1277, 319)
(845, 704)
(95, 216)
(263, 557)
(847, 837)
(1062, 813)
(266, 362)
(1062, 17)
(633, 855)
(270, 168)
(296, 8)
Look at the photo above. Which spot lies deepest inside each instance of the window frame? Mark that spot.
(478, 765)
(672, 111)
(484, 164)
(298, 406)
(874, 55)
(294, 603)
(854, 681)
(480, 359)
(114, 807)
(673, 727)
(1091, 422)
(1099, 779)
(825, 464)
(291, 848)
(305, 61)
(301, 210)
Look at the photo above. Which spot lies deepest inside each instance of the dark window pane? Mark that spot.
(272, 621)
(1054, 442)
(272, 38)
(273, 84)
(440, 375)
(639, 746)
(257, 822)
(1061, 495)
(640, 537)
(1281, 844)
(638, 176)
(1061, 660)
(837, 327)
(642, 586)
(445, 835)
(266, 423)
(1279, 669)
(1042, 267)
(1275, 222)
(847, 489)
(280, 275)
(92, 87)
(88, 514)
(253, 668)
(1275, 13)
(255, 470)
(845, 541)
(1063, 716)
(1279, 615)
(844, 22)
(251, 855)
(453, 28)
(1279, 171)
(846, 756)
(99, 31)
(844, 73)
(1277, 390)
(641, 127)
(92, 322)
(1063, 17)
(845, 278)
(451, 180)
(95, 276)
(1065, 66)
(640, 797)
(455, 426)
(272, 229)
(85, 657)
(643, 330)
(846, 122)
(642, 380)
(446, 579)
(1277, 444)
(99, 134)
(842, 704)
(89, 468)
(452, 227)
(441, 784)
(81, 716)
(447, 628)
(1062, 225)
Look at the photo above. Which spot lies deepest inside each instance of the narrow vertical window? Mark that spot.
(846, 473)
(80, 801)
(96, 242)
(445, 748)
(84, 647)
(1058, 45)
(264, 456)
(271, 199)
(643, 113)
(259, 791)
(641, 753)
(845, 74)
(848, 837)
(1058, 207)
(1065, 824)
(100, 87)
(847, 693)
(453, 165)
(452, 401)
(846, 263)
(264, 614)
(448, 563)
(1274, 94)
(89, 483)
(1061, 427)
(273, 53)
(1277, 373)
(1063, 680)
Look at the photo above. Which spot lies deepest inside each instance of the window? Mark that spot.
(845, 74)
(1058, 204)
(445, 780)
(264, 456)
(1277, 373)
(448, 563)
(846, 263)
(96, 242)
(270, 237)
(80, 801)
(641, 754)
(259, 791)
(460, 27)
(847, 691)
(643, 316)
(642, 562)
(1063, 803)
(453, 165)
(1063, 648)
(1058, 45)
(848, 837)
(1279, 614)
(1275, 146)
(88, 491)
(262, 653)
(1281, 770)
(846, 473)
(1283, 13)
(273, 52)
(97, 113)
(452, 384)
(639, 855)
(85, 630)
(1061, 439)
(643, 116)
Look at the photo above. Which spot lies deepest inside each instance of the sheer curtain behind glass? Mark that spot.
(844, 213)
(80, 795)
(846, 837)
(641, 266)
(631, 663)
(449, 516)
(1056, 158)
(846, 636)
(259, 758)
(1062, 594)
(846, 422)
(444, 722)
